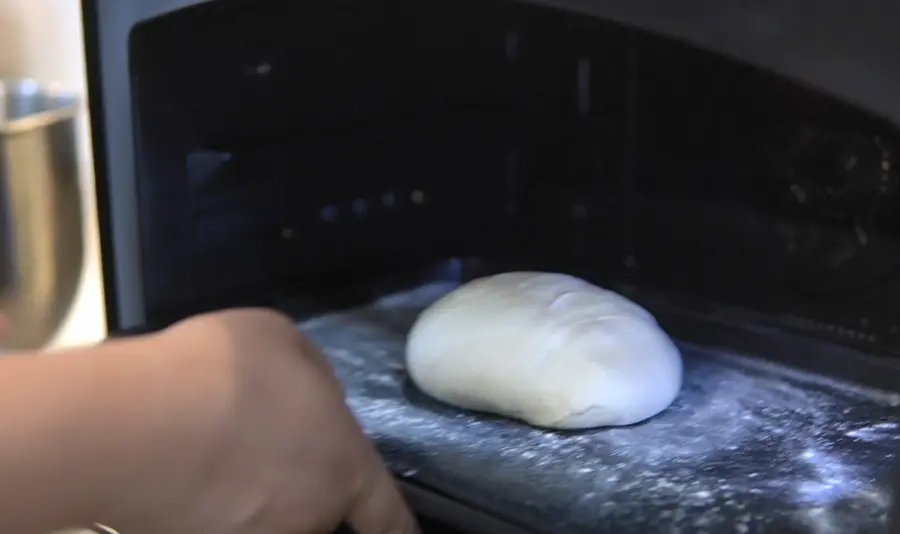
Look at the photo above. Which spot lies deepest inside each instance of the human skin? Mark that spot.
(225, 423)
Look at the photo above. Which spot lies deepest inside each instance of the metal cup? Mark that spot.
(41, 241)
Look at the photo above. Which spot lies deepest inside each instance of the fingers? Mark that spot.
(380, 509)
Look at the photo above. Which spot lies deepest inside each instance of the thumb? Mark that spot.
(380, 508)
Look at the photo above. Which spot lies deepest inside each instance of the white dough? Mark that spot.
(548, 349)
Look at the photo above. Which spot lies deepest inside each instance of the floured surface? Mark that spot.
(744, 449)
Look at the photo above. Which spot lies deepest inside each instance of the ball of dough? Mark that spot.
(549, 349)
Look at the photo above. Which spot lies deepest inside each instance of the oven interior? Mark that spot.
(322, 156)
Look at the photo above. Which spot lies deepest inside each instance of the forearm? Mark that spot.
(81, 431)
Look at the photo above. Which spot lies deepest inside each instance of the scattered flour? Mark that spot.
(744, 449)
(876, 433)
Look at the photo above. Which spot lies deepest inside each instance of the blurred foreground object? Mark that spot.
(41, 242)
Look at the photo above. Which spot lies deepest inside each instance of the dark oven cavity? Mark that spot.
(297, 147)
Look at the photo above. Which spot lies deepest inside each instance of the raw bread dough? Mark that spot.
(549, 349)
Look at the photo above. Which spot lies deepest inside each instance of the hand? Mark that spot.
(267, 444)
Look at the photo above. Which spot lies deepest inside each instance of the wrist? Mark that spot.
(55, 457)
(140, 413)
